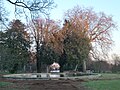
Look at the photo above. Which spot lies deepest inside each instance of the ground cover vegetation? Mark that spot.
(104, 85)
(105, 82)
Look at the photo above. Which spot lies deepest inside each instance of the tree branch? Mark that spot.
(20, 4)
(35, 7)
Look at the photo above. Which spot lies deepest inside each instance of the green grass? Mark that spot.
(3, 84)
(103, 85)
(4, 73)
(6, 84)
(110, 76)
(105, 82)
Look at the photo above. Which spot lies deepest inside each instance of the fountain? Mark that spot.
(54, 73)
(54, 70)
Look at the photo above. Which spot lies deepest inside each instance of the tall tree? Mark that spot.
(116, 65)
(94, 27)
(99, 66)
(76, 44)
(16, 42)
(42, 33)
(2, 51)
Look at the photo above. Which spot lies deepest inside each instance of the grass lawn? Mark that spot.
(11, 86)
(106, 82)
(3, 84)
(110, 76)
(103, 85)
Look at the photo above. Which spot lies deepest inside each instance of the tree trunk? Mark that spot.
(76, 67)
(24, 68)
(38, 61)
(84, 66)
(47, 69)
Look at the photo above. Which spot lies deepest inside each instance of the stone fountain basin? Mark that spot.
(32, 75)
(48, 76)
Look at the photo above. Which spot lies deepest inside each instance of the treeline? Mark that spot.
(41, 42)
(104, 67)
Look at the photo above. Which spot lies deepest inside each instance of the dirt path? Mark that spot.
(42, 85)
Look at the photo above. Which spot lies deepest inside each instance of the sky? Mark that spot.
(109, 7)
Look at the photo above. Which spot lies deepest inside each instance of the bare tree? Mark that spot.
(96, 27)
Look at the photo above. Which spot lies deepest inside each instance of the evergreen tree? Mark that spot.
(16, 42)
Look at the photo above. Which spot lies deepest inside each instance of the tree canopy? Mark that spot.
(16, 45)
(96, 26)
(83, 33)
